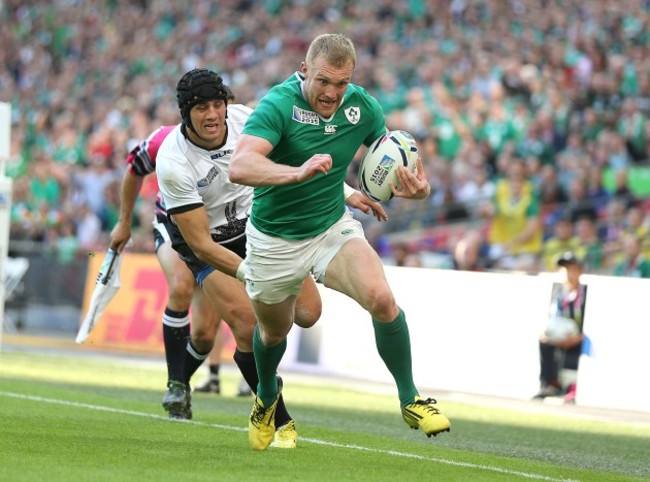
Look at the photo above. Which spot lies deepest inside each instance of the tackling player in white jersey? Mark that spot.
(208, 216)
(141, 162)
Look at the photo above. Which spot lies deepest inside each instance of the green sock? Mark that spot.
(267, 359)
(394, 347)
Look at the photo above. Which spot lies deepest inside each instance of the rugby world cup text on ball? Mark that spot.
(381, 171)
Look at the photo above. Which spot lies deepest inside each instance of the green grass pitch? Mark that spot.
(68, 417)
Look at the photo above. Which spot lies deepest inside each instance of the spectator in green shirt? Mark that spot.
(589, 248)
(634, 264)
(43, 186)
(631, 125)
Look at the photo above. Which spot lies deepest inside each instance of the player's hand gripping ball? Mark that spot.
(379, 165)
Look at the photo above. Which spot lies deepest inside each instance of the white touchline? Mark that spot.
(394, 453)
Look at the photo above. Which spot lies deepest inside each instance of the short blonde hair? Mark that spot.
(337, 49)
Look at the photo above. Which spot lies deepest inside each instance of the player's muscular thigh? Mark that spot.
(357, 271)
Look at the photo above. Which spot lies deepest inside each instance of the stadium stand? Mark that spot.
(481, 84)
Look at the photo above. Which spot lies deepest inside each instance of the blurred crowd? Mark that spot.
(531, 115)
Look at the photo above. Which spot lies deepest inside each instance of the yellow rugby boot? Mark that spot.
(422, 414)
(286, 436)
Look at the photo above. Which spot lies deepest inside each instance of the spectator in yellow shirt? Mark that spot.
(515, 233)
(562, 240)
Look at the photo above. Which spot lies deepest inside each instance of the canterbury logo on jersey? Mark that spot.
(214, 172)
(330, 129)
(305, 116)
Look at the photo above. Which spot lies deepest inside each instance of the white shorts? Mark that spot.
(275, 268)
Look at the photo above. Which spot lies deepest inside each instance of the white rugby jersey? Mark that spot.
(189, 176)
(141, 161)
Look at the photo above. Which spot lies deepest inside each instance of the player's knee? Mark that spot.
(275, 335)
(243, 335)
(202, 341)
(380, 303)
(241, 316)
(181, 291)
(307, 315)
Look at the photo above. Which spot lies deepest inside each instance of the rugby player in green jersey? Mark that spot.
(295, 150)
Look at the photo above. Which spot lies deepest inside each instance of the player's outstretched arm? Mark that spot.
(250, 165)
(121, 233)
(194, 227)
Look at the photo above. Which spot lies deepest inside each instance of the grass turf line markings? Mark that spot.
(360, 448)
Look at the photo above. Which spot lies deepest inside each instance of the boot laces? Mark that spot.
(429, 402)
(258, 415)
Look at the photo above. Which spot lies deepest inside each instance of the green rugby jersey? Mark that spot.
(284, 118)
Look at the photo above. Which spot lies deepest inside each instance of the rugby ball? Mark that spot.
(379, 164)
(559, 328)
